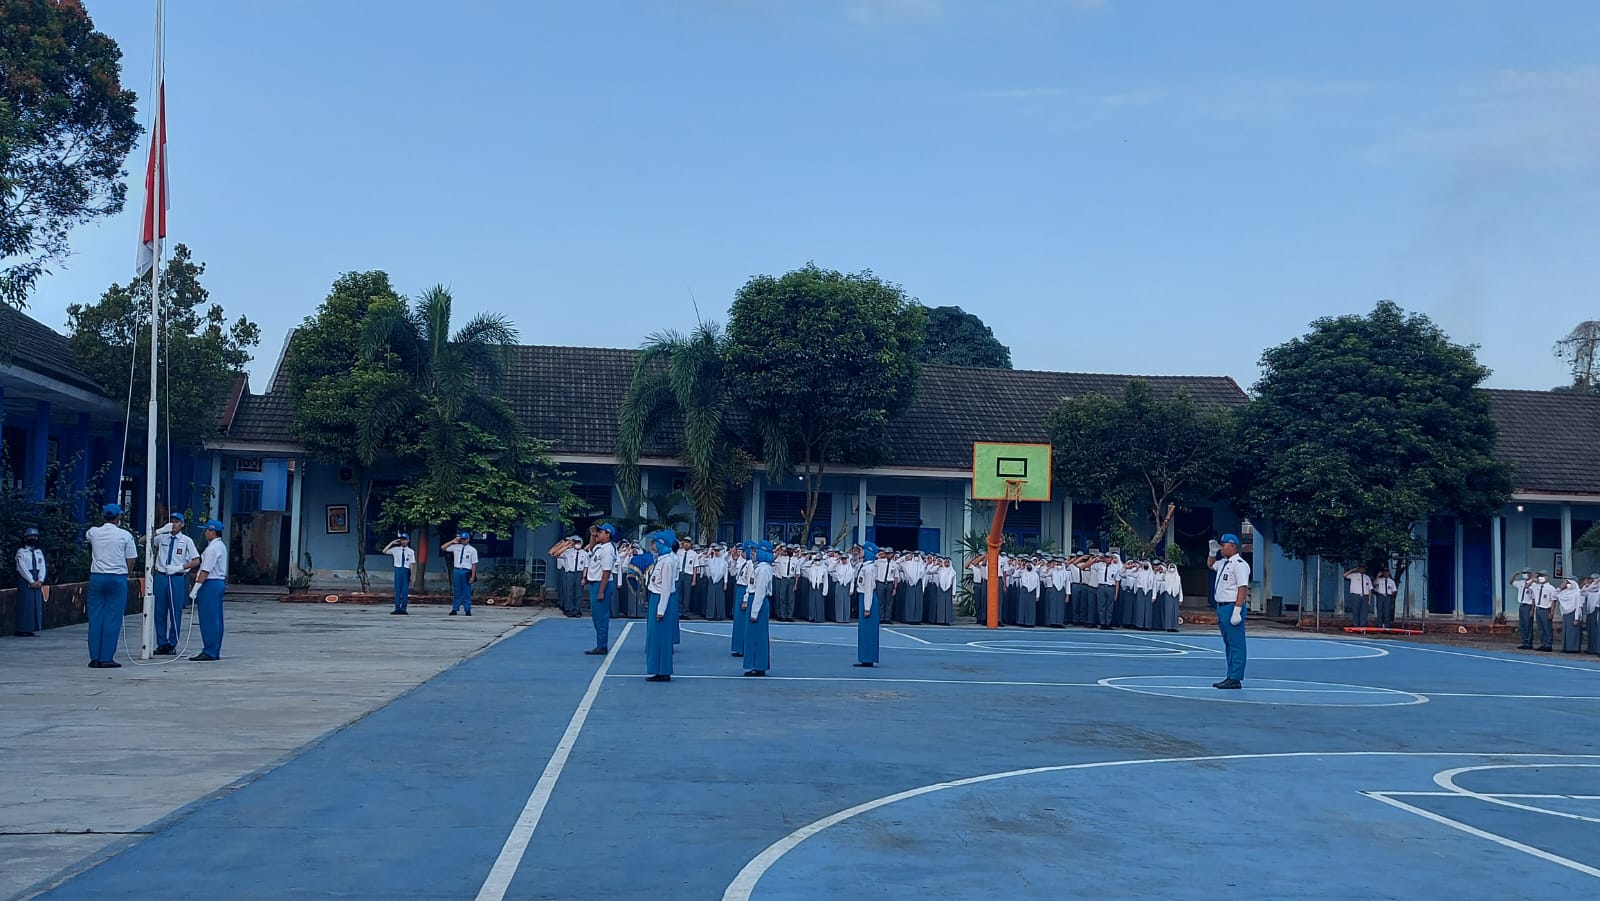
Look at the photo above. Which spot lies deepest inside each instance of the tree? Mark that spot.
(664, 514)
(684, 378)
(823, 361)
(1580, 349)
(955, 337)
(201, 351)
(1143, 456)
(1363, 428)
(66, 126)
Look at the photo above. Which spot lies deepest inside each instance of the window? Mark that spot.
(246, 497)
(596, 497)
(897, 510)
(786, 513)
(1023, 525)
(1547, 532)
(247, 464)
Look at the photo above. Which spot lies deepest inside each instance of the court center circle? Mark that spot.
(1285, 692)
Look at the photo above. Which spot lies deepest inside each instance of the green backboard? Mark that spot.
(995, 463)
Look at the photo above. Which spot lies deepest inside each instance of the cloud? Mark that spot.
(1519, 120)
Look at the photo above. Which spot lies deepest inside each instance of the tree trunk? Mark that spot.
(813, 493)
(363, 490)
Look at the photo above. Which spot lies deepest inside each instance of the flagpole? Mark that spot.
(158, 194)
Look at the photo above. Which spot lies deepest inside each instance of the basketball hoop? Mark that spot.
(1014, 491)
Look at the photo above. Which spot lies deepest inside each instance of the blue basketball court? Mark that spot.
(1023, 763)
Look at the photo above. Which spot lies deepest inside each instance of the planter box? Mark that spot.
(67, 605)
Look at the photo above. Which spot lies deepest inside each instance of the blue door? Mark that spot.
(928, 541)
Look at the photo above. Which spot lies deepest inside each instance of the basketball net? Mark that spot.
(1014, 491)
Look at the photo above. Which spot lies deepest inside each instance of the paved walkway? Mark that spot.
(93, 757)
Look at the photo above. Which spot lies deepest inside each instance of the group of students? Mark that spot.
(183, 573)
(1093, 590)
(1368, 599)
(463, 571)
(1540, 598)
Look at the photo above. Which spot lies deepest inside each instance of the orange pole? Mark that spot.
(996, 538)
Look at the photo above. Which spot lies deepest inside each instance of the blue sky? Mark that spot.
(1113, 185)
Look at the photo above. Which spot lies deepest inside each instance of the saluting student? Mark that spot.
(176, 554)
(912, 573)
(867, 624)
(1170, 587)
(1383, 593)
(602, 563)
(31, 574)
(978, 569)
(1535, 598)
(1027, 595)
(1591, 607)
(1358, 595)
(716, 579)
(1570, 597)
(567, 575)
(1230, 596)
(757, 639)
(463, 571)
(941, 611)
(842, 576)
(743, 576)
(211, 577)
(405, 559)
(661, 582)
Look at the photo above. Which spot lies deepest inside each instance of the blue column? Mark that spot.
(80, 465)
(119, 438)
(38, 448)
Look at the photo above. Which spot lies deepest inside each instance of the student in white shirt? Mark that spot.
(113, 555)
(175, 556)
(1358, 595)
(1231, 597)
(211, 577)
(867, 637)
(757, 639)
(602, 562)
(661, 587)
(1384, 590)
(1570, 598)
(716, 583)
(405, 559)
(31, 574)
(568, 577)
(463, 571)
(743, 572)
(1591, 610)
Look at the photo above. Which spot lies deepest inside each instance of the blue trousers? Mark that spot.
(172, 595)
(658, 636)
(757, 645)
(402, 587)
(1547, 635)
(867, 636)
(741, 620)
(1106, 595)
(108, 602)
(209, 605)
(461, 593)
(1233, 639)
(600, 613)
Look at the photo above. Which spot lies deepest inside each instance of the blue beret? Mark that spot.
(1230, 538)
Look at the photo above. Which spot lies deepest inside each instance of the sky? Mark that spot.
(1112, 185)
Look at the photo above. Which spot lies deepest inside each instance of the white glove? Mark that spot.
(195, 592)
(1238, 615)
(1215, 547)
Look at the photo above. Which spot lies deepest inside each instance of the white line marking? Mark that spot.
(1447, 781)
(677, 676)
(904, 635)
(1473, 830)
(1520, 797)
(744, 883)
(505, 866)
(1412, 647)
(1471, 694)
(1181, 644)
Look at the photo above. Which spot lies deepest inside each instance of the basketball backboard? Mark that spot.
(995, 463)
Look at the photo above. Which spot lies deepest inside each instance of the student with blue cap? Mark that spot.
(1231, 597)
(211, 578)
(176, 555)
(113, 556)
(405, 560)
(867, 625)
(463, 571)
(602, 566)
(757, 638)
(31, 573)
(661, 582)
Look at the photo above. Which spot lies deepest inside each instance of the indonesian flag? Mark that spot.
(156, 202)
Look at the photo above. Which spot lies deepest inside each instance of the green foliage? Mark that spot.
(664, 511)
(497, 484)
(201, 352)
(60, 533)
(66, 126)
(823, 361)
(955, 337)
(1143, 456)
(685, 378)
(1362, 428)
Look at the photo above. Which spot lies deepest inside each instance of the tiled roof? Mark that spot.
(1552, 438)
(34, 346)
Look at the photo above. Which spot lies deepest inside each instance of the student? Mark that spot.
(1570, 598)
(1027, 609)
(1170, 596)
(741, 594)
(210, 580)
(912, 573)
(842, 576)
(1358, 595)
(176, 554)
(31, 574)
(941, 609)
(1383, 593)
(1230, 596)
(867, 625)
(757, 639)
(661, 581)
(113, 555)
(1591, 607)
(716, 582)
(978, 569)
(602, 563)
(817, 593)
(463, 571)
(1535, 597)
(405, 559)
(567, 576)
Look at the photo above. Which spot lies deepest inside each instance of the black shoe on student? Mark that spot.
(94, 664)
(736, 654)
(596, 652)
(861, 664)
(165, 650)
(203, 657)
(1228, 683)
(1524, 647)
(24, 634)
(1172, 630)
(110, 664)
(396, 612)
(405, 613)
(452, 613)
(1546, 648)
(469, 612)
(658, 678)
(1105, 628)
(756, 672)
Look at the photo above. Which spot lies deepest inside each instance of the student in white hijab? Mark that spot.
(1570, 597)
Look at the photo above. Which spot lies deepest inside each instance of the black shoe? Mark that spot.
(1105, 628)
(756, 672)
(658, 678)
(94, 664)
(110, 664)
(452, 613)
(1545, 648)
(595, 652)
(396, 612)
(203, 657)
(861, 664)
(469, 612)
(736, 654)
(1524, 647)
(23, 634)
(1172, 630)
(1228, 684)
(405, 612)
(165, 650)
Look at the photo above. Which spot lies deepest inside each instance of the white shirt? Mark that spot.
(466, 556)
(662, 581)
(214, 560)
(1232, 573)
(946, 578)
(760, 588)
(1360, 583)
(601, 559)
(1095, 575)
(717, 568)
(30, 564)
(112, 547)
(1571, 598)
(404, 557)
(866, 577)
(1532, 592)
(173, 551)
(1029, 580)
(980, 571)
(1385, 586)
(567, 560)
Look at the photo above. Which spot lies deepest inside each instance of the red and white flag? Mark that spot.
(156, 202)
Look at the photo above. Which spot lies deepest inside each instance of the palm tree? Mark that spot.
(665, 514)
(684, 376)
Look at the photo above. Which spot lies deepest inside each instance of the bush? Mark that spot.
(60, 531)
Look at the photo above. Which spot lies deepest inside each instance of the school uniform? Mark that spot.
(1384, 590)
(31, 568)
(943, 609)
(757, 638)
(1570, 599)
(1027, 597)
(1053, 610)
(110, 547)
(741, 606)
(816, 591)
(979, 570)
(911, 576)
(1231, 573)
(405, 559)
(602, 559)
(1171, 598)
(1144, 594)
(570, 586)
(1358, 595)
(1097, 610)
(842, 578)
(660, 613)
(1591, 608)
(208, 600)
(1535, 599)
(464, 558)
(170, 585)
(1127, 596)
(716, 585)
(867, 625)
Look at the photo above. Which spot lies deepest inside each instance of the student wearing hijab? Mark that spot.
(716, 582)
(661, 582)
(941, 611)
(758, 638)
(1170, 589)
(743, 574)
(843, 579)
(1570, 598)
(1591, 608)
(867, 625)
(31, 574)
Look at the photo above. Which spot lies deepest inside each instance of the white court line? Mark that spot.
(1307, 691)
(1181, 644)
(904, 635)
(1412, 647)
(1480, 833)
(1515, 796)
(1447, 781)
(1473, 694)
(505, 866)
(677, 676)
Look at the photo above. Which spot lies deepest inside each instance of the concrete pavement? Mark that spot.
(89, 759)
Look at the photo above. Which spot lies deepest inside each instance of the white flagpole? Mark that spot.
(157, 198)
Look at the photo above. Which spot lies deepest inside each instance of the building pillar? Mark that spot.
(1566, 540)
(33, 480)
(861, 511)
(1461, 568)
(80, 465)
(758, 505)
(1497, 598)
(114, 454)
(296, 523)
(214, 506)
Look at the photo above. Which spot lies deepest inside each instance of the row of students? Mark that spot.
(1091, 590)
(1369, 600)
(1540, 599)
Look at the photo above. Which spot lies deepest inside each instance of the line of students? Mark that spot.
(1091, 590)
(1540, 599)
